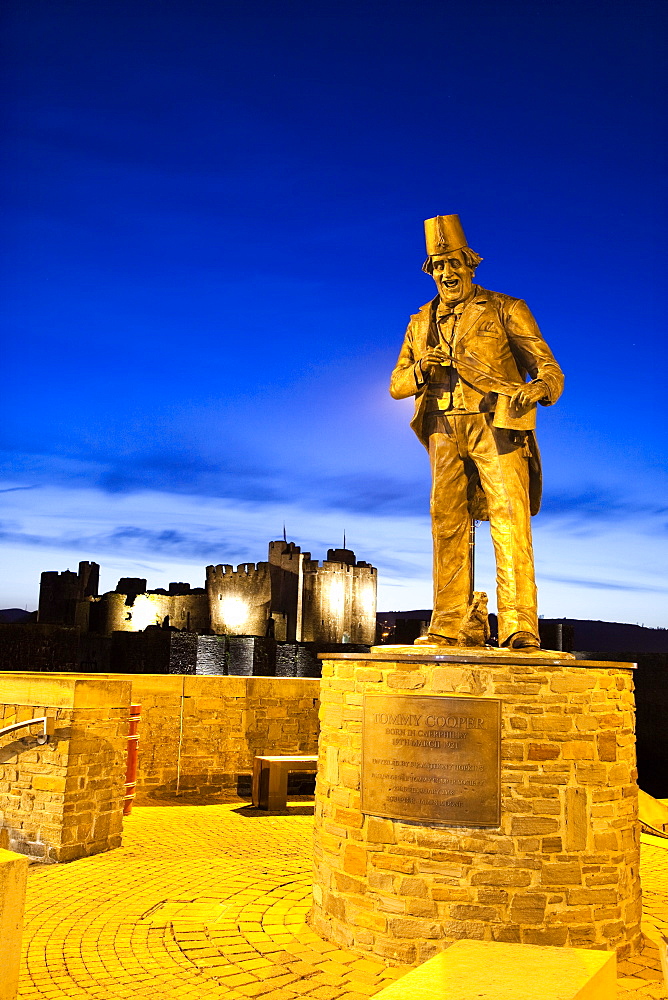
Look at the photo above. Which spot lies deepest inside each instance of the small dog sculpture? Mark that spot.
(474, 629)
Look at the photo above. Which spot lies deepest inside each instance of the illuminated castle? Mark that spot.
(290, 597)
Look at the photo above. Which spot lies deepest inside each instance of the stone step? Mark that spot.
(491, 970)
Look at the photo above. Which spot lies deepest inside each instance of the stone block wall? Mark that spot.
(54, 648)
(63, 800)
(198, 735)
(297, 660)
(561, 869)
(155, 651)
(212, 658)
(258, 656)
(251, 656)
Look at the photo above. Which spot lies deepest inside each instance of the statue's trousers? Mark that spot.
(456, 445)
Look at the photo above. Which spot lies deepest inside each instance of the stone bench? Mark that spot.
(491, 970)
(270, 778)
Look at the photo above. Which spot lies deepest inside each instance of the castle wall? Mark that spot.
(239, 601)
(155, 651)
(186, 611)
(190, 612)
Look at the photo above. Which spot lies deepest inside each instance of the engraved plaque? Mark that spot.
(430, 759)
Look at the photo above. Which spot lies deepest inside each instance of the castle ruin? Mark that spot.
(291, 597)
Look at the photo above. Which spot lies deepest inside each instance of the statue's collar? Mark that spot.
(478, 295)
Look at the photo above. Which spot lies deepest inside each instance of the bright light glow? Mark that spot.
(145, 611)
(337, 597)
(234, 611)
(369, 601)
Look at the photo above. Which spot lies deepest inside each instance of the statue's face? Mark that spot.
(453, 277)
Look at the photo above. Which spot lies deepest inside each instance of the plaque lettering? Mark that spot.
(431, 759)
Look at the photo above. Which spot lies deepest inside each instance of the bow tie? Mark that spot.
(455, 312)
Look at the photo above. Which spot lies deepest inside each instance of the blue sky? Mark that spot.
(214, 243)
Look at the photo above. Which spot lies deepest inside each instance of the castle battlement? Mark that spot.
(332, 566)
(51, 575)
(244, 571)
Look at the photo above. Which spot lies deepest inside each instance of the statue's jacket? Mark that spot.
(497, 344)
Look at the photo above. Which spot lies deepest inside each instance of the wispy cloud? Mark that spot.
(601, 551)
(600, 503)
(132, 540)
(593, 584)
(381, 488)
(236, 478)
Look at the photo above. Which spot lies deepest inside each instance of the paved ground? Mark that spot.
(209, 902)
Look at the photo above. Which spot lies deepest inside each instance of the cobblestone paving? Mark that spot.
(210, 902)
(641, 976)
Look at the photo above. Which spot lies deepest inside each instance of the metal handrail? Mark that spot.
(47, 721)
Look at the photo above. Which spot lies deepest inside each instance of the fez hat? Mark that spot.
(443, 234)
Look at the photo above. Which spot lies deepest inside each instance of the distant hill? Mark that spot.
(616, 637)
(17, 616)
(602, 637)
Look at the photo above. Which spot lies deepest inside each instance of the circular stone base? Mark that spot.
(561, 868)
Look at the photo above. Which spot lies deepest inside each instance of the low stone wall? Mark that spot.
(563, 866)
(63, 800)
(198, 735)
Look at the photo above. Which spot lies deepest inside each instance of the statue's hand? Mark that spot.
(530, 393)
(431, 358)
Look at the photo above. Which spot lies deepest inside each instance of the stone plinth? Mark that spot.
(64, 800)
(13, 875)
(562, 866)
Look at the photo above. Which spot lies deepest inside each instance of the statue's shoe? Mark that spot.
(523, 640)
(434, 639)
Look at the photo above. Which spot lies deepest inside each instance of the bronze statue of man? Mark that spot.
(466, 357)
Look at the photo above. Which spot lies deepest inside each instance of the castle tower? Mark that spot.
(286, 561)
(239, 600)
(89, 580)
(363, 605)
(339, 603)
(59, 593)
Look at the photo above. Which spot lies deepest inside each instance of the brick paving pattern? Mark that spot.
(210, 902)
